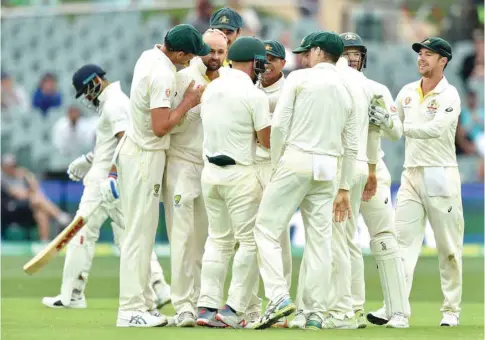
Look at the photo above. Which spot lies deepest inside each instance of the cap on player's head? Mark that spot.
(247, 49)
(84, 76)
(329, 42)
(435, 44)
(186, 38)
(226, 18)
(275, 49)
(305, 43)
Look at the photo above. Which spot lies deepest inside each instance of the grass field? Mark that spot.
(24, 317)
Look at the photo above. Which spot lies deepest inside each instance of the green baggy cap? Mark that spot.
(275, 49)
(330, 42)
(226, 18)
(305, 43)
(435, 44)
(187, 39)
(246, 49)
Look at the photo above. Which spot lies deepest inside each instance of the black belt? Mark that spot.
(221, 160)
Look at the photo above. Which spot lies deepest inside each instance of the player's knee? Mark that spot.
(384, 244)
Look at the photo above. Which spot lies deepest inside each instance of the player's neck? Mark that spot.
(212, 74)
(429, 83)
(270, 82)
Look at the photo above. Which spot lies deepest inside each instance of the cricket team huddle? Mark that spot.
(233, 148)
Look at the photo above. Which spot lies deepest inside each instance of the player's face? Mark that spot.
(429, 61)
(315, 56)
(214, 60)
(273, 68)
(304, 59)
(231, 35)
(354, 57)
(183, 59)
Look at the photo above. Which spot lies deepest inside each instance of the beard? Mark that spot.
(213, 65)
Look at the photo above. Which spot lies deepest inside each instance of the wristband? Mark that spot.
(113, 175)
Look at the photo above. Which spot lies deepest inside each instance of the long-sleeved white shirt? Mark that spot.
(429, 124)
(315, 114)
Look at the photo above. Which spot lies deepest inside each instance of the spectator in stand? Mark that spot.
(200, 17)
(47, 96)
(23, 201)
(13, 95)
(251, 22)
(307, 23)
(472, 120)
(473, 64)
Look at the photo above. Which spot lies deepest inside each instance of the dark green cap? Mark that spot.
(435, 44)
(187, 39)
(330, 42)
(274, 48)
(246, 49)
(305, 43)
(226, 18)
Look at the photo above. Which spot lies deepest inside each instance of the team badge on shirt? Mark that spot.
(393, 108)
(432, 107)
(176, 200)
(167, 92)
(407, 100)
(156, 189)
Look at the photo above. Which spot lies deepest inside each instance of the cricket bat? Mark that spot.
(56, 245)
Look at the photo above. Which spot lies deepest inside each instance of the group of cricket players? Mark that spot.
(233, 148)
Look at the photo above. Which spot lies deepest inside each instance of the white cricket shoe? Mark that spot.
(450, 319)
(162, 289)
(379, 317)
(140, 318)
(360, 316)
(185, 319)
(252, 319)
(331, 322)
(78, 302)
(299, 321)
(398, 320)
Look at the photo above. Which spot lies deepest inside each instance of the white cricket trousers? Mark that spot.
(416, 201)
(343, 246)
(187, 228)
(232, 195)
(292, 186)
(140, 175)
(80, 251)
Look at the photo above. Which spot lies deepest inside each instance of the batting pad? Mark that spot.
(391, 273)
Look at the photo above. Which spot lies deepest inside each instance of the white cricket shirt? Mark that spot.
(273, 93)
(232, 109)
(114, 106)
(429, 124)
(153, 86)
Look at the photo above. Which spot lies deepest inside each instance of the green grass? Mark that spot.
(24, 317)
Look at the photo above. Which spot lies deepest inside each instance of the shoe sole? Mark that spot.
(127, 325)
(393, 326)
(228, 322)
(288, 310)
(187, 323)
(65, 307)
(296, 326)
(362, 326)
(204, 323)
(376, 320)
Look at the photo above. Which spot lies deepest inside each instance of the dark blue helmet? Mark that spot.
(84, 81)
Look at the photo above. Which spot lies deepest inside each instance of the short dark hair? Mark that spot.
(333, 58)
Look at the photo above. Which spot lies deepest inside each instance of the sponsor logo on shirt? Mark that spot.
(156, 189)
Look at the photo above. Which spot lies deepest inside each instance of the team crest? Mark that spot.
(156, 189)
(393, 108)
(350, 36)
(176, 200)
(426, 42)
(432, 107)
(167, 92)
(302, 41)
(407, 100)
(224, 20)
(268, 47)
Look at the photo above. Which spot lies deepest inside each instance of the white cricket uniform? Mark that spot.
(430, 184)
(185, 213)
(140, 163)
(113, 119)
(305, 176)
(232, 109)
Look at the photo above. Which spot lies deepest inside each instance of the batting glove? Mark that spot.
(80, 167)
(109, 189)
(379, 116)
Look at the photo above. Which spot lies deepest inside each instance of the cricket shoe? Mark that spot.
(314, 322)
(299, 322)
(231, 318)
(282, 323)
(77, 302)
(379, 317)
(398, 320)
(207, 318)
(360, 316)
(140, 318)
(252, 319)
(331, 322)
(450, 319)
(275, 311)
(185, 319)
(162, 289)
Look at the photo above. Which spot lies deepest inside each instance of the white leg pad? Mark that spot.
(391, 273)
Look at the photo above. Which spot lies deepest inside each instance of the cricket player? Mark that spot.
(235, 116)
(305, 176)
(185, 213)
(378, 211)
(140, 162)
(112, 105)
(430, 184)
(271, 83)
(229, 22)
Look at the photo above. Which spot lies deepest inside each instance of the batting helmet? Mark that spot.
(351, 39)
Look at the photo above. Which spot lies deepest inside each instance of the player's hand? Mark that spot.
(109, 189)
(193, 94)
(341, 206)
(80, 167)
(370, 187)
(379, 116)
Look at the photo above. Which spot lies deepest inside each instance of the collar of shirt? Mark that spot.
(163, 57)
(112, 87)
(325, 66)
(276, 86)
(442, 85)
(232, 72)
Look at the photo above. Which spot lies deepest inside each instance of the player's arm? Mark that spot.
(395, 130)
(349, 143)
(261, 118)
(445, 116)
(282, 117)
(182, 83)
(164, 118)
